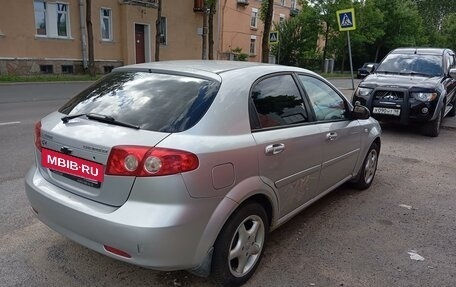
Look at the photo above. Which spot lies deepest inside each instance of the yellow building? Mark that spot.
(242, 28)
(49, 36)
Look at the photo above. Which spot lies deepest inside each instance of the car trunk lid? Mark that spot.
(74, 156)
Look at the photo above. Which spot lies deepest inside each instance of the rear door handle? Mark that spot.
(331, 136)
(274, 149)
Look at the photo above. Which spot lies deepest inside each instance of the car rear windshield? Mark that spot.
(426, 65)
(152, 101)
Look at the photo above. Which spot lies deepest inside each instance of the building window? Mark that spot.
(293, 4)
(67, 69)
(163, 29)
(46, 69)
(253, 45)
(254, 18)
(40, 17)
(52, 19)
(106, 24)
(282, 2)
(62, 19)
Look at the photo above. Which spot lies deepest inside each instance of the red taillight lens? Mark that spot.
(146, 161)
(38, 135)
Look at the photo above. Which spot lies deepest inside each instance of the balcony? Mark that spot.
(243, 2)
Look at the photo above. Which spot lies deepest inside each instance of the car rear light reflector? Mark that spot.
(116, 251)
(146, 161)
(38, 135)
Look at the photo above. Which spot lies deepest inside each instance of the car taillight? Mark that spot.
(38, 135)
(146, 161)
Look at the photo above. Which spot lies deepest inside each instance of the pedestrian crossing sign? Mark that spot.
(273, 37)
(346, 19)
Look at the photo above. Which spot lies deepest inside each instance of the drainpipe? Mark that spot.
(83, 36)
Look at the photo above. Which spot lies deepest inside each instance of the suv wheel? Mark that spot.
(239, 246)
(368, 169)
(432, 128)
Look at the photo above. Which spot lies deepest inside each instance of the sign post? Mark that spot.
(346, 21)
(274, 39)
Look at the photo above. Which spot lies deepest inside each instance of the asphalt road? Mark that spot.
(400, 232)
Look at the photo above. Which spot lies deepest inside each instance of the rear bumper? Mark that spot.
(156, 235)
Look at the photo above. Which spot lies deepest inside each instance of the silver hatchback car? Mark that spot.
(189, 164)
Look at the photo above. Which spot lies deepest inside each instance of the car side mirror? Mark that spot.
(360, 112)
(453, 73)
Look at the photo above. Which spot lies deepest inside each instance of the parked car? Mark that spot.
(189, 164)
(366, 69)
(412, 85)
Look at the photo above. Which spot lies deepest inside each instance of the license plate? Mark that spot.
(72, 165)
(387, 111)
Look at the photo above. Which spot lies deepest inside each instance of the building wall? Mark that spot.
(236, 30)
(22, 51)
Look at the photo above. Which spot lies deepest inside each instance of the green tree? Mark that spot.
(92, 70)
(329, 27)
(402, 24)
(298, 38)
(158, 31)
(448, 31)
(267, 7)
(211, 6)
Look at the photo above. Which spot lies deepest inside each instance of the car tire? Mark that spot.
(240, 244)
(367, 173)
(432, 128)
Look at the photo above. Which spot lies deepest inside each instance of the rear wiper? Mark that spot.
(100, 118)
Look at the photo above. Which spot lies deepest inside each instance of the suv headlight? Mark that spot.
(424, 96)
(363, 92)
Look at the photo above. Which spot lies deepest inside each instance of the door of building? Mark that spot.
(140, 45)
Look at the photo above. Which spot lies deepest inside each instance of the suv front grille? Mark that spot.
(389, 95)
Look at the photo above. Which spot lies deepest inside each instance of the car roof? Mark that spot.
(420, 51)
(206, 68)
(212, 66)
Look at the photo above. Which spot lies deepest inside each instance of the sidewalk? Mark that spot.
(447, 123)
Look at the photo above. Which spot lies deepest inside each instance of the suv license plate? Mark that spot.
(387, 111)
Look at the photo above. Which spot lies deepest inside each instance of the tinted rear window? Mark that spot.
(157, 102)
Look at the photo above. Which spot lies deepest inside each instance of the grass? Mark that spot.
(46, 78)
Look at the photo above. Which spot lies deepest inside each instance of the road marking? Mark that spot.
(9, 123)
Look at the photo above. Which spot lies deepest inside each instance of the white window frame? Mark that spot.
(254, 18)
(67, 18)
(102, 17)
(51, 16)
(254, 38)
(283, 2)
(44, 10)
(293, 4)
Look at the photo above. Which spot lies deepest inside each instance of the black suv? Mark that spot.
(412, 85)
